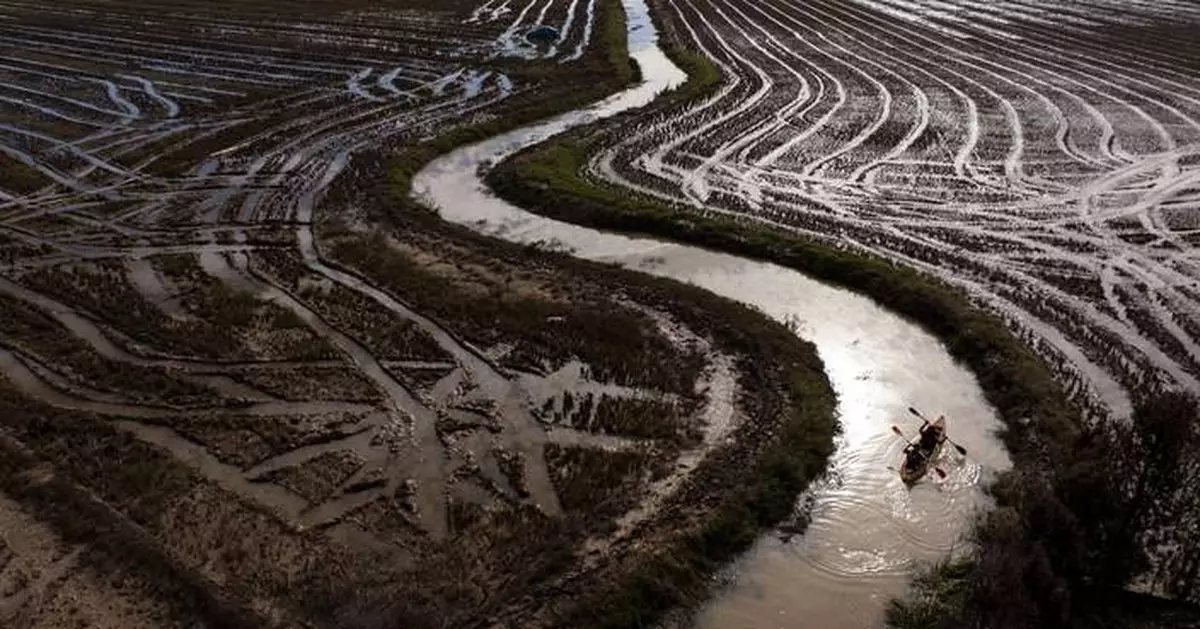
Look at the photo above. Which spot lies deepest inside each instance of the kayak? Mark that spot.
(912, 474)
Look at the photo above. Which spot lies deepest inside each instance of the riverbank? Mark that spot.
(605, 69)
(738, 491)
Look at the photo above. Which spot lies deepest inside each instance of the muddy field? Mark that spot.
(1044, 156)
(238, 389)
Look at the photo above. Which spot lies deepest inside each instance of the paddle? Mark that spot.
(896, 429)
(961, 450)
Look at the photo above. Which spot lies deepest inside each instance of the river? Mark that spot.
(867, 529)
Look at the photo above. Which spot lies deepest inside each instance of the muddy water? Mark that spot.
(867, 530)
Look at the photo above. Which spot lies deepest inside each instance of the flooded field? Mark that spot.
(1042, 156)
(866, 531)
(285, 392)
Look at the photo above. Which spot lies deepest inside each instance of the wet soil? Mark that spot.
(237, 378)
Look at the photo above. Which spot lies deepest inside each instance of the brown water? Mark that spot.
(867, 530)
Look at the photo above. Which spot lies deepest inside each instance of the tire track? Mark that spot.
(1061, 151)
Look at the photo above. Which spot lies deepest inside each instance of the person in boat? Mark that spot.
(916, 453)
(913, 457)
(930, 435)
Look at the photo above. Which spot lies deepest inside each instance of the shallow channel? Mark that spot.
(867, 530)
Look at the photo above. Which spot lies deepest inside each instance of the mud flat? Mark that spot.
(865, 530)
(246, 390)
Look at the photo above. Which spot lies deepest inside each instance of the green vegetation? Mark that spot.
(703, 75)
(1062, 527)
(1065, 533)
(604, 69)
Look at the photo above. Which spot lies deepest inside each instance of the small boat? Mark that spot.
(917, 461)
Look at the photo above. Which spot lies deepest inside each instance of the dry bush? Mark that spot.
(1063, 539)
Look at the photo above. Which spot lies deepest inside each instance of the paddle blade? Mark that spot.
(915, 412)
(896, 429)
(961, 450)
(940, 472)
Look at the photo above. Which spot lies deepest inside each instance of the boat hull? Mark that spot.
(912, 475)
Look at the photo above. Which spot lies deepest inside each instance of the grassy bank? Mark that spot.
(603, 70)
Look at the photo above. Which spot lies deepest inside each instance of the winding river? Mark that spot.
(867, 530)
